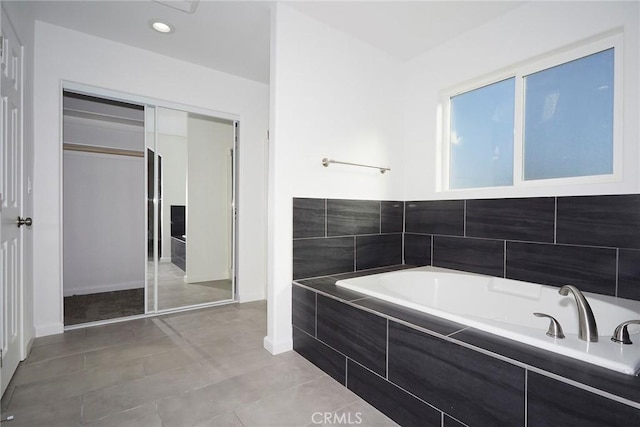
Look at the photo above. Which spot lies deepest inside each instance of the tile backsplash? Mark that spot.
(333, 236)
(592, 242)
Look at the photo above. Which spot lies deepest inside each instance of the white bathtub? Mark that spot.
(505, 307)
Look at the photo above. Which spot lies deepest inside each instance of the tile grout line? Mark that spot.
(386, 368)
(82, 408)
(346, 371)
(464, 219)
(555, 221)
(617, 270)
(526, 395)
(326, 218)
(355, 253)
(504, 260)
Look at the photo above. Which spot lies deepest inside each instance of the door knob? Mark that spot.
(25, 221)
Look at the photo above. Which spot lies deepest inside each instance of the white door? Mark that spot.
(11, 235)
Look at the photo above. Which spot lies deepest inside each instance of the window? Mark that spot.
(547, 121)
(481, 137)
(568, 119)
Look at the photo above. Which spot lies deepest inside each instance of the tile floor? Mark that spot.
(198, 368)
(174, 292)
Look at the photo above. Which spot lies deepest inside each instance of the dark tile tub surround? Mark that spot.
(554, 403)
(612, 221)
(332, 236)
(440, 372)
(359, 335)
(512, 219)
(481, 256)
(590, 241)
(435, 217)
(320, 257)
(591, 269)
(421, 370)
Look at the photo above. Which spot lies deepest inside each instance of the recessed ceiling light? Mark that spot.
(161, 26)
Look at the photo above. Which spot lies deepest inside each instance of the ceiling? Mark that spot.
(233, 36)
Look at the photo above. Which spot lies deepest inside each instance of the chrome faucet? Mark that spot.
(621, 334)
(587, 328)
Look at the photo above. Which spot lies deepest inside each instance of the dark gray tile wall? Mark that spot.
(359, 335)
(392, 217)
(482, 256)
(417, 249)
(324, 357)
(590, 269)
(629, 274)
(554, 403)
(303, 309)
(612, 221)
(391, 400)
(475, 388)
(512, 219)
(310, 218)
(435, 217)
(592, 242)
(333, 236)
(378, 251)
(450, 422)
(351, 217)
(321, 257)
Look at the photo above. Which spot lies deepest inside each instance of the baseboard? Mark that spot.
(50, 329)
(250, 296)
(29, 346)
(279, 347)
(205, 278)
(104, 288)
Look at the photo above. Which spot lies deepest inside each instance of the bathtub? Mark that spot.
(505, 307)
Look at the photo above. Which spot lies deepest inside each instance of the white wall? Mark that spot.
(104, 232)
(208, 200)
(536, 28)
(331, 96)
(63, 54)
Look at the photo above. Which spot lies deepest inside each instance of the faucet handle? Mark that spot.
(621, 334)
(555, 330)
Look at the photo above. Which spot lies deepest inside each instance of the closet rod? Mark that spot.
(102, 150)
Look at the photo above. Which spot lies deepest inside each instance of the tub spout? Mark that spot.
(587, 328)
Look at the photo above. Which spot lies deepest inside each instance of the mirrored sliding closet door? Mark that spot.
(193, 170)
(148, 205)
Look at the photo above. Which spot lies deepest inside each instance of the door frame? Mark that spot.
(66, 85)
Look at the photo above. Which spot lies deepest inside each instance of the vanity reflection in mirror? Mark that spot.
(148, 208)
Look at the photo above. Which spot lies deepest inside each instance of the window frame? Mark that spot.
(519, 72)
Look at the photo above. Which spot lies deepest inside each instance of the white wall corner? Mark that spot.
(250, 296)
(278, 347)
